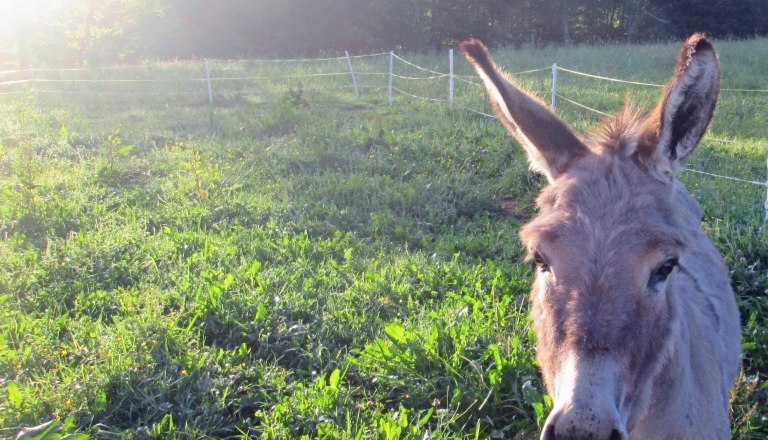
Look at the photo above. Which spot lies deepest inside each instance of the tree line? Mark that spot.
(94, 32)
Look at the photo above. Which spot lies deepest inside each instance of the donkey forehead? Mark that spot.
(604, 200)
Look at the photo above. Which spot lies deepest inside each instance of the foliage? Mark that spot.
(92, 33)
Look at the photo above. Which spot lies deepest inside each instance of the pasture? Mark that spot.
(301, 263)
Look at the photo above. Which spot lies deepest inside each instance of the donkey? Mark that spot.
(637, 328)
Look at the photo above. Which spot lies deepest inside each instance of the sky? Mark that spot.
(23, 15)
(22, 18)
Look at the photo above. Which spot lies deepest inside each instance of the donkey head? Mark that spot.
(610, 235)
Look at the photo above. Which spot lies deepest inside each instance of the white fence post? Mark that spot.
(554, 87)
(34, 88)
(450, 78)
(765, 220)
(391, 64)
(208, 80)
(352, 72)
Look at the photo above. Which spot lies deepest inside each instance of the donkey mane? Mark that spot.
(618, 132)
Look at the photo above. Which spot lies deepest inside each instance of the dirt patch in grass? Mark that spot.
(510, 208)
(353, 107)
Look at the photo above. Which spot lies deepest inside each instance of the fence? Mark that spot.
(200, 80)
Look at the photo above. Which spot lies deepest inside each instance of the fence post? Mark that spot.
(352, 72)
(208, 80)
(391, 64)
(34, 88)
(450, 77)
(554, 87)
(765, 220)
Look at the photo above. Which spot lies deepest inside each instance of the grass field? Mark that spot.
(299, 263)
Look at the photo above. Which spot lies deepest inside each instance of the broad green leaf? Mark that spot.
(15, 397)
(426, 417)
(335, 378)
(396, 332)
(228, 280)
(125, 151)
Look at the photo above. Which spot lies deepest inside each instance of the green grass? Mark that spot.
(301, 263)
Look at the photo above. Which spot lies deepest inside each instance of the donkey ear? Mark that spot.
(551, 145)
(686, 107)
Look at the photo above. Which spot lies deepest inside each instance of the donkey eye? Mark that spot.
(540, 262)
(666, 268)
(662, 272)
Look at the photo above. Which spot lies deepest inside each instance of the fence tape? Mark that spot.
(479, 112)
(727, 177)
(418, 67)
(419, 97)
(72, 69)
(468, 81)
(234, 78)
(417, 77)
(144, 66)
(745, 90)
(112, 93)
(605, 78)
(582, 105)
(299, 60)
(9, 83)
(117, 80)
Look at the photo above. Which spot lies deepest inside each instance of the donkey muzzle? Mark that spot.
(586, 401)
(583, 424)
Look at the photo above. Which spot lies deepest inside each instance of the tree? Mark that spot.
(92, 32)
(719, 18)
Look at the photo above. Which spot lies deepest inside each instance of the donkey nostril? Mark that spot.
(616, 435)
(582, 425)
(549, 433)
